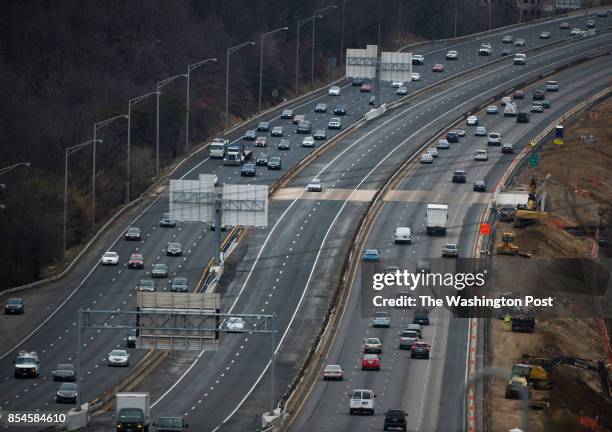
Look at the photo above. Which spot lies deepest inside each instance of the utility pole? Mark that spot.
(160, 84)
(227, 62)
(316, 13)
(190, 68)
(342, 36)
(263, 35)
(455, 19)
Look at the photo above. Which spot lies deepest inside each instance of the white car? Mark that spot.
(459, 132)
(334, 91)
(492, 109)
(450, 250)
(495, 139)
(519, 43)
(545, 35)
(536, 107)
(234, 324)
(397, 84)
(333, 372)
(402, 91)
(427, 158)
(308, 141)
(443, 144)
(334, 123)
(575, 31)
(481, 155)
(110, 258)
(505, 100)
(552, 86)
(418, 59)
(481, 131)
(433, 152)
(452, 55)
(314, 186)
(472, 120)
(118, 358)
(415, 76)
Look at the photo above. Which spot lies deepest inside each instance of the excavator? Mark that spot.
(528, 214)
(507, 246)
(534, 371)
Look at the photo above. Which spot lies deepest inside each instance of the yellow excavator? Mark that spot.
(507, 246)
(528, 214)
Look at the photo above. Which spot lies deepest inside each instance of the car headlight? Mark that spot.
(58, 394)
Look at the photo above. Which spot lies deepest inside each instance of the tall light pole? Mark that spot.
(489, 14)
(455, 19)
(189, 69)
(342, 36)
(131, 102)
(263, 35)
(97, 126)
(399, 23)
(160, 84)
(297, 52)
(316, 13)
(69, 151)
(229, 51)
(379, 19)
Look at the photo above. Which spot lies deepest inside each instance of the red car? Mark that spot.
(518, 94)
(370, 362)
(438, 68)
(298, 118)
(136, 261)
(261, 141)
(365, 88)
(420, 350)
(564, 26)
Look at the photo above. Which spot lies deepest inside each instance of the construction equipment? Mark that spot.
(523, 319)
(516, 387)
(591, 365)
(535, 375)
(529, 214)
(507, 246)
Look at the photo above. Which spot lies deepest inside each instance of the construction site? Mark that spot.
(559, 205)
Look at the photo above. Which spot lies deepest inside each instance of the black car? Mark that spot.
(287, 114)
(262, 159)
(174, 249)
(130, 340)
(420, 350)
(522, 117)
(274, 163)
(320, 134)
(372, 100)
(250, 135)
(14, 306)
(321, 108)
(358, 81)
(166, 221)
(284, 144)
(64, 372)
(395, 419)
(507, 148)
(304, 127)
(480, 186)
(459, 176)
(421, 316)
(539, 95)
(340, 110)
(248, 170)
(133, 233)
(452, 137)
(66, 393)
(170, 424)
(263, 126)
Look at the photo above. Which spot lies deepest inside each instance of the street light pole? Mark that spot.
(263, 35)
(229, 51)
(160, 84)
(97, 126)
(489, 15)
(342, 36)
(455, 19)
(379, 19)
(317, 13)
(12, 167)
(189, 69)
(68, 152)
(399, 23)
(131, 102)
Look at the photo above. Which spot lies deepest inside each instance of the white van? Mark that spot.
(403, 235)
(510, 110)
(520, 59)
(362, 401)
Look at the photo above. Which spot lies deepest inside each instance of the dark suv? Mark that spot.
(395, 419)
(459, 176)
(452, 137)
(14, 306)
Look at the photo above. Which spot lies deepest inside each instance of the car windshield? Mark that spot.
(14, 302)
(180, 281)
(25, 360)
(372, 341)
(130, 414)
(333, 368)
(64, 367)
(381, 315)
(117, 353)
(410, 334)
(370, 357)
(68, 386)
(169, 422)
(395, 413)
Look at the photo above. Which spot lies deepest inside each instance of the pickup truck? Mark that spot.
(484, 50)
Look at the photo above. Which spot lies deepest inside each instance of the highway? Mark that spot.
(113, 288)
(429, 390)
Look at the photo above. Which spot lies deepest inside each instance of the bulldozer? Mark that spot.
(507, 246)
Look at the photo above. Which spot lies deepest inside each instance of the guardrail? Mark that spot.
(309, 371)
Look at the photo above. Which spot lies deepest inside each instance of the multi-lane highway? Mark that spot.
(278, 274)
(429, 390)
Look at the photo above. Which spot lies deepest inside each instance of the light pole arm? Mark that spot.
(162, 83)
(12, 167)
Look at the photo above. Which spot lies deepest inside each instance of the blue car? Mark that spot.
(371, 255)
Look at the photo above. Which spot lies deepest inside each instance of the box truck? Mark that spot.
(132, 412)
(436, 217)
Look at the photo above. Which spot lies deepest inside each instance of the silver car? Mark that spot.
(118, 358)
(450, 250)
